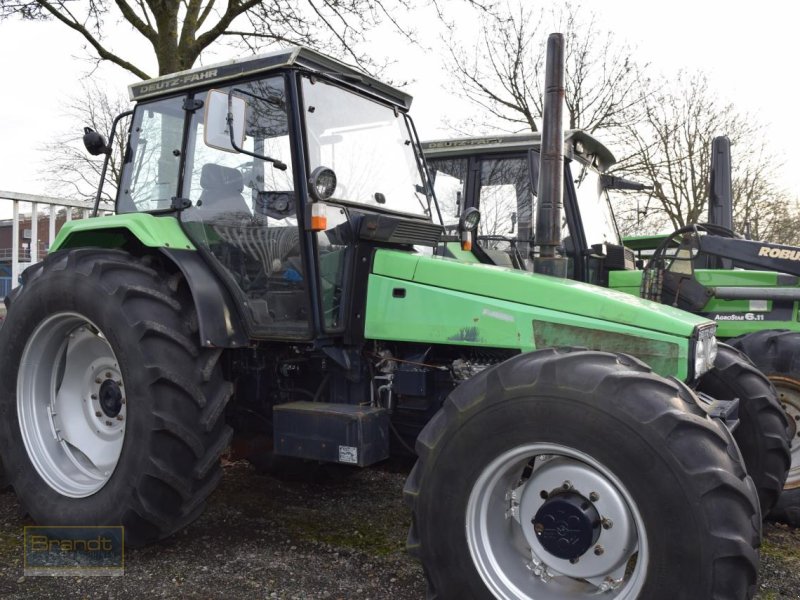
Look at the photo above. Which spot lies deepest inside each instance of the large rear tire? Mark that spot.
(110, 411)
(560, 475)
(761, 434)
(776, 353)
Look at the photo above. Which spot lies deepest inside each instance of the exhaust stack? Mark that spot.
(551, 165)
(720, 188)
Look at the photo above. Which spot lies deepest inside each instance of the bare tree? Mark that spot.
(670, 149)
(503, 74)
(761, 207)
(180, 31)
(71, 170)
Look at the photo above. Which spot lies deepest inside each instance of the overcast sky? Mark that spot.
(749, 50)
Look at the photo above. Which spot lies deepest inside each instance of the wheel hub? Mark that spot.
(567, 525)
(547, 522)
(110, 398)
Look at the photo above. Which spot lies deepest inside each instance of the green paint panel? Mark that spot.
(464, 256)
(662, 356)
(520, 287)
(723, 277)
(628, 282)
(395, 264)
(643, 242)
(403, 310)
(151, 231)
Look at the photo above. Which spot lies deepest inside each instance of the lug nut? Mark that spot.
(567, 485)
(598, 550)
(109, 423)
(594, 496)
(538, 528)
(607, 523)
(98, 414)
(94, 396)
(119, 417)
(108, 375)
(98, 380)
(574, 561)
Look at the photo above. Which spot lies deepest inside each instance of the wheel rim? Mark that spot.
(514, 551)
(71, 405)
(789, 396)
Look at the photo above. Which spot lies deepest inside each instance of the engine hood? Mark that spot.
(561, 295)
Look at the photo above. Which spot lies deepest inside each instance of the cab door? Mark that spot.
(243, 212)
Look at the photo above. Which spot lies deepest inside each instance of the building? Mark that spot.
(32, 243)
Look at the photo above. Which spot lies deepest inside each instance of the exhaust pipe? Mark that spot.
(720, 188)
(551, 165)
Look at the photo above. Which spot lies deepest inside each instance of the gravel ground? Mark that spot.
(265, 538)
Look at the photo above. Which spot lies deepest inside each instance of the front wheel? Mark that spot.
(564, 475)
(776, 353)
(761, 434)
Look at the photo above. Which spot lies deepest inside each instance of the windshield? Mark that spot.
(598, 220)
(369, 147)
(150, 174)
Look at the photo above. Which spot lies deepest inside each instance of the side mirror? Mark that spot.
(215, 121)
(94, 142)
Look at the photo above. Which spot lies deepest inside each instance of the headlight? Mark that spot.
(705, 350)
(322, 183)
(470, 219)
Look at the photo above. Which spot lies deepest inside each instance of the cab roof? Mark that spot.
(576, 142)
(294, 56)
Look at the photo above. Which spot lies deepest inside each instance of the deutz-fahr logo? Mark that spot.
(177, 82)
(738, 317)
(460, 143)
(779, 253)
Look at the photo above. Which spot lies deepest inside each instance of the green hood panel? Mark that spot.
(403, 310)
(112, 231)
(520, 287)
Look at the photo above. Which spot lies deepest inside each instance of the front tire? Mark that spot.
(761, 434)
(776, 353)
(110, 412)
(568, 474)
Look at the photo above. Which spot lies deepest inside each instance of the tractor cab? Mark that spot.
(271, 165)
(500, 177)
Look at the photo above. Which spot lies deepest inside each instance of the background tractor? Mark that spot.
(698, 268)
(271, 271)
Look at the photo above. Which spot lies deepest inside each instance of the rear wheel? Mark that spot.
(761, 434)
(565, 475)
(111, 412)
(777, 354)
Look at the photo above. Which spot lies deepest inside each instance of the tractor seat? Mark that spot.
(222, 192)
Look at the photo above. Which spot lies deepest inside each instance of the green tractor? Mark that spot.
(271, 270)
(705, 269)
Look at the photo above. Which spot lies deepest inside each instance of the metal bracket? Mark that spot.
(726, 411)
(180, 203)
(192, 105)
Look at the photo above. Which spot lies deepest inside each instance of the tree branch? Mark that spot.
(102, 52)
